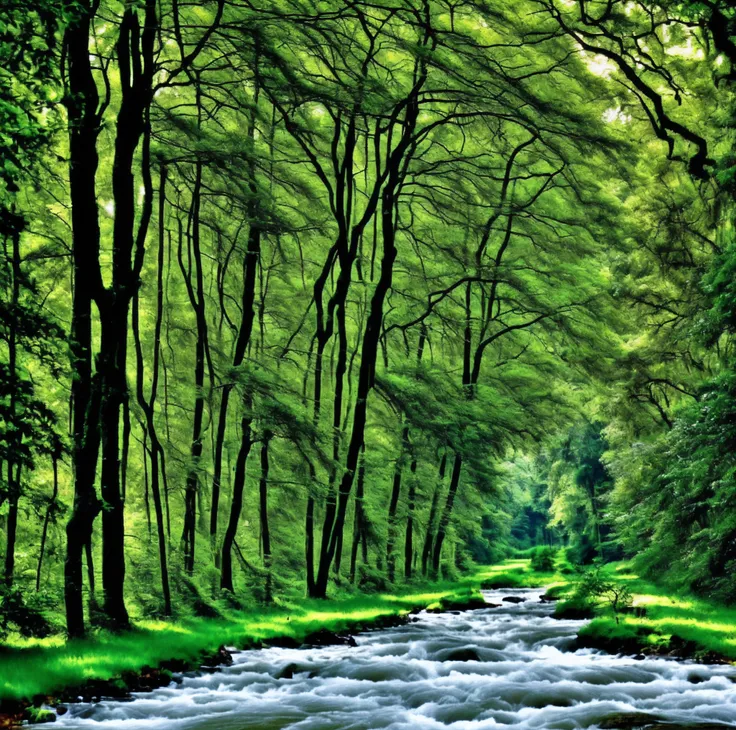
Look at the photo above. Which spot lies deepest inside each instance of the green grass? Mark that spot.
(670, 620)
(708, 628)
(517, 573)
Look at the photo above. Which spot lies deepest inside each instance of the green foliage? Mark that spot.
(544, 559)
(24, 615)
(349, 248)
(681, 521)
(593, 587)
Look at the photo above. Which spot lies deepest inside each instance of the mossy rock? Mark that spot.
(556, 592)
(628, 721)
(575, 610)
(39, 715)
(465, 603)
(463, 655)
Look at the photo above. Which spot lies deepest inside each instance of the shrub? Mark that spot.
(25, 617)
(592, 588)
(543, 559)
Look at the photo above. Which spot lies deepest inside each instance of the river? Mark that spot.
(424, 675)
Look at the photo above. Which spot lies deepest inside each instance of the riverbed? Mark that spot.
(508, 666)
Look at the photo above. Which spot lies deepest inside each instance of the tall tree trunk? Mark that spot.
(12, 524)
(409, 536)
(47, 519)
(431, 520)
(197, 300)
(446, 513)
(263, 510)
(90, 562)
(112, 364)
(395, 171)
(393, 507)
(366, 376)
(82, 102)
(135, 59)
(249, 272)
(359, 526)
(158, 464)
(309, 544)
(14, 442)
(236, 506)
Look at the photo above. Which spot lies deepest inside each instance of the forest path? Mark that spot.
(505, 666)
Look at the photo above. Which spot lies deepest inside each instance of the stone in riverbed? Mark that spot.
(39, 715)
(628, 721)
(463, 655)
(645, 721)
(221, 657)
(324, 637)
(514, 599)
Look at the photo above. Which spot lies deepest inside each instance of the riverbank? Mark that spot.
(664, 623)
(508, 665)
(45, 672)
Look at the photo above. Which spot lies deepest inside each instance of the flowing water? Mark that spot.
(423, 676)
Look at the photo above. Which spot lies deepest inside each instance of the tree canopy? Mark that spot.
(318, 296)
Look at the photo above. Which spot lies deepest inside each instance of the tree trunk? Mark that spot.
(14, 442)
(263, 505)
(309, 544)
(249, 270)
(393, 507)
(82, 100)
(47, 519)
(197, 300)
(12, 524)
(365, 384)
(135, 60)
(409, 537)
(112, 371)
(429, 535)
(359, 526)
(158, 465)
(446, 513)
(236, 506)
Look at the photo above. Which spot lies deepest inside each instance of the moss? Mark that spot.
(557, 591)
(574, 608)
(39, 715)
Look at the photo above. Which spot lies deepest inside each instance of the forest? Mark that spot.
(316, 299)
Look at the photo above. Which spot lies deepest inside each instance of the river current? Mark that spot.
(506, 667)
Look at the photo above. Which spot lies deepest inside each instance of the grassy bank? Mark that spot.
(681, 625)
(38, 668)
(660, 621)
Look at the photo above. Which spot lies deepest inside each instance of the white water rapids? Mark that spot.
(404, 678)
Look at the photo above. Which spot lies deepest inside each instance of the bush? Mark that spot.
(25, 617)
(543, 559)
(371, 580)
(592, 588)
